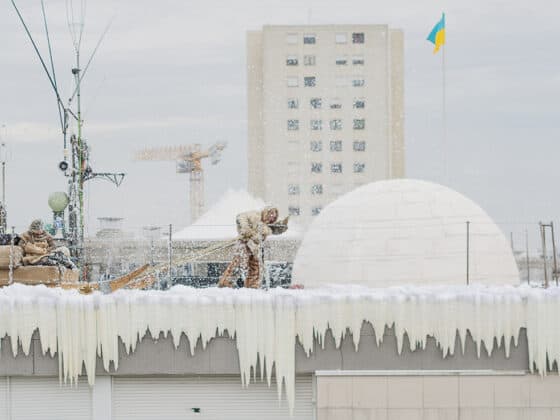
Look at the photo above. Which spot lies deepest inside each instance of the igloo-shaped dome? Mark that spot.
(404, 231)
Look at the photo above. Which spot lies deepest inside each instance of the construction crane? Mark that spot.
(188, 159)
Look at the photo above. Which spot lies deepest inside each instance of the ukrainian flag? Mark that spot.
(437, 36)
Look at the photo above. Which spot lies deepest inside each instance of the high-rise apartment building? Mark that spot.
(325, 112)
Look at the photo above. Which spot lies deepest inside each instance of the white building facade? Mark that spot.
(325, 112)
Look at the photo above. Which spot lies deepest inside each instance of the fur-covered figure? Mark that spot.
(253, 228)
(39, 248)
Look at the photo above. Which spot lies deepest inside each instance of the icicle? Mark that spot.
(266, 324)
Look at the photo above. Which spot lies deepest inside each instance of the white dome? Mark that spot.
(399, 232)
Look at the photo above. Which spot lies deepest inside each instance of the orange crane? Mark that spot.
(188, 159)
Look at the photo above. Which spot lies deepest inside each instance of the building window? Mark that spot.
(336, 103)
(293, 211)
(341, 82)
(336, 168)
(336, 146)
(293, 125)
(359, 167)
(292, 60)
(359, 124)
(292, 81)
(335, 124)
(316, 145)
(358, 38)
(316, 167)
(292, 39)
(309, 60)
(358, 82)
(359, 103)
(340, 38)
(316, 103)
(358, 60)
(317, 189)
(293, 189)
(309, 39)
(315, 211)
(309, 81)
(359, 146)
(316, 125)
(293, 103)
(341, 61)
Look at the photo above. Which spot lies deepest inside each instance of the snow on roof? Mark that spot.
(395, 232)
(219, 221)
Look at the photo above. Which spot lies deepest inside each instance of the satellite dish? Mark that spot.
(58, 201)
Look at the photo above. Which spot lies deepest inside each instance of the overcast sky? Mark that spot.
(173, 72)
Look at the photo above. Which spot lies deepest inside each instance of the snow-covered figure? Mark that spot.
(253, 228)
(39, 248)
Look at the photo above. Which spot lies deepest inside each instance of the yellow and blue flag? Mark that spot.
(437, 36)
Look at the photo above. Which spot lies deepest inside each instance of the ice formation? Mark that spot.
(266, 323)
(405, 231)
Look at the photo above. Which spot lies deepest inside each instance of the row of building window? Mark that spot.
(316, 189)
(335, 124)
(296, 211)
(336, 146)
(336, 168)
(311, 60)
(334, 103)
(311, 81)
(339, 38)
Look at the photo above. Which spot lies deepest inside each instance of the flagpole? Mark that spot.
(443, 116)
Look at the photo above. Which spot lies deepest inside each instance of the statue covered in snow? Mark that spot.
(253, 228)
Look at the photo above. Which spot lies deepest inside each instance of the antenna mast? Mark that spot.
(80, 170)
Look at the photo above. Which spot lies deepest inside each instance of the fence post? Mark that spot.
(468, 249)
(554, 262)
(169, 254)
(543, 240)
(11, 272)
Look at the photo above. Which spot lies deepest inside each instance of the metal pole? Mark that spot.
(554, 261)
(527, 256)
(11, 273)
(169, 254)
(543, 241)
(468, 248)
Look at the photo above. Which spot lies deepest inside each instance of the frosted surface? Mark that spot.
(400, 232)
(266, 324)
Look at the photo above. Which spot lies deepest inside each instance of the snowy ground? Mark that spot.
(266, 324)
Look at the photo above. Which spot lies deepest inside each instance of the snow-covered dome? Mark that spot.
(403, 231)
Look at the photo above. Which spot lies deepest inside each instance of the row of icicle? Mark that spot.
(266, 323)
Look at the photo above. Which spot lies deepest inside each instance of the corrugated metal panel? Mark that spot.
(4, 407)
(43, 398)
(217, 397)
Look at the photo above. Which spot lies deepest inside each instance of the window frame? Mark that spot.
(309, 36)
(309, 81)
(335, 124)
(358, 38)
(293, 125)
(336, 165)
(335, 146)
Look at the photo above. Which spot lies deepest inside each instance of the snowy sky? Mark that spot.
(173, 72)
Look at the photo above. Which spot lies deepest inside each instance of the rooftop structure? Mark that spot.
(399, 232)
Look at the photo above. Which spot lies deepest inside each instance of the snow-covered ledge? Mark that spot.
(266, 324)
